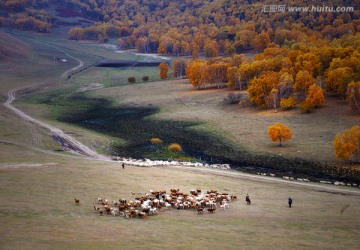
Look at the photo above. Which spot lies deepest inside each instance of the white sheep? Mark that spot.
(225, 205)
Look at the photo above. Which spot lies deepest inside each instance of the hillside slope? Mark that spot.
(11, 47)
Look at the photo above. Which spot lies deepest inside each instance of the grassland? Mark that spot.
(44, 215)
(38, 183)
(313, 133)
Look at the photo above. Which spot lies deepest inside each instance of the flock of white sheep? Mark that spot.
(154, 201)
(150, 163)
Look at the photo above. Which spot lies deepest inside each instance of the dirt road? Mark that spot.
(67, 142)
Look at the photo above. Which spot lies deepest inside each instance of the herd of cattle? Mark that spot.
(154, 201)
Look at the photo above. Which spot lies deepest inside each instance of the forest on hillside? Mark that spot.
(180, 27)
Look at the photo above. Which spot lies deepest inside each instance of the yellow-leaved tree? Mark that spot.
(279, 133)
(347, 145)
(164, 68)
(315, 96)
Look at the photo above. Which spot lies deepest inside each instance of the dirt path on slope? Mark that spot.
(69, 143)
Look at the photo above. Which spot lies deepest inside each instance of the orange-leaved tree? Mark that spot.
(260, 88)
(315, 96)
(279, 133)
(337, 80)
(303, 81)
(195, 71)
(347, 145)
(164, 68)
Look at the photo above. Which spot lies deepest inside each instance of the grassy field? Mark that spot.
(312, 133)
(40, 211)
(38, 183)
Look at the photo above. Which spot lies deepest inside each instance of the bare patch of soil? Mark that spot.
(90, 86)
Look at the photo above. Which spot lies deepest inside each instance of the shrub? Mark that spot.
(233, 98)
(242, 103)
(145, 78)
(174, 147)
(306, 106)
(131, 79)
(156, 141)
(288, 103)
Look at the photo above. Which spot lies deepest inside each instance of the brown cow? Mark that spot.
(211, 210)
(142, 215)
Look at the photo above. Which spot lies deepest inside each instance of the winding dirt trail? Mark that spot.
(81, 64)
(69, 143)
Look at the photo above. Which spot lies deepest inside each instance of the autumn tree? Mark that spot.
(308, 61)
(315, 96)
(273, 100)
(131, 79)
(303, 81)
(156, 141)
(76, 33)
(243, 40)
(347, 145)
(288, 103)
(285, 85)
(164, 68)
(261, 41)
(196, 72)
(161, 49)
(195, 50)
(211, 48)
(178, 68)
(185, 48)
(174, 147)
(142, 45)
(233, 77)
(353, 95)
(145, 78)
(216, 73)
(279, 133)
(238, 59)
(337, 80)
(260, 88)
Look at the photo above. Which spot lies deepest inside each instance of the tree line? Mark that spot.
(26, 15)
(282, 76)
